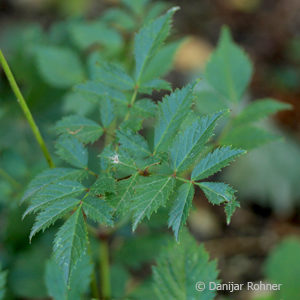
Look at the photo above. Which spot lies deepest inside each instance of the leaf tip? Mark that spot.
(174, 9)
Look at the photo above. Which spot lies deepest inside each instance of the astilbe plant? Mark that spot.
(136, 175)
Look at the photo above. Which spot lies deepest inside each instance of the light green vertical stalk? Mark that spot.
(25, 109)
(104, 269)
(94, 285)
(133, 98)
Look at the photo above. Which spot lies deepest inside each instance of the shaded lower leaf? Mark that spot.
(3, 275)
(79, 281)
(180, 267)
(70, 243)
(283, 267)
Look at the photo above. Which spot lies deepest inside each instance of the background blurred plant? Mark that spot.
(63, 56)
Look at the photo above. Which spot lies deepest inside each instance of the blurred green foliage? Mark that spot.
(47, 64)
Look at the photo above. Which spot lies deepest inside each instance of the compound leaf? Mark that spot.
(136, 6)
(150, 193)
(134, 124)
(229, 69)
(283, 267)
(144, 108)
(52, 213)
(98, 210)
(85, 34)
(53, 193)
(107, 114)
(148, 41)
(155, 84)
(217, 193)
(3, 276)
(181, 207)
(154, 10)
(172, 111)
(113, 75)
(102, 90)
(248, 137)
(49, 176)
(72, 151)
(188, 144)
(258, 110)
(123, 195)
(180, 267)
(214, 162)
(70, 243)
(230, 208)
(58, 289)
(59, 67)
(80, 103)
(134, 143)
(55, 282)
(104, 184)
(162, 61)
(117, 17)
(85, 130)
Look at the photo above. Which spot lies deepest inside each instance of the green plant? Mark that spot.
(282, 267)
(121, 168)
(226, 77)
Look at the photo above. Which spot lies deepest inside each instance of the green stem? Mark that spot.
(91, 172)
(223, 133)
(104, 269)
(133, 98)
(11, 180)
(94, 286)
(25, 109)
(110, 134)
(183, 179)
(119, 225)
